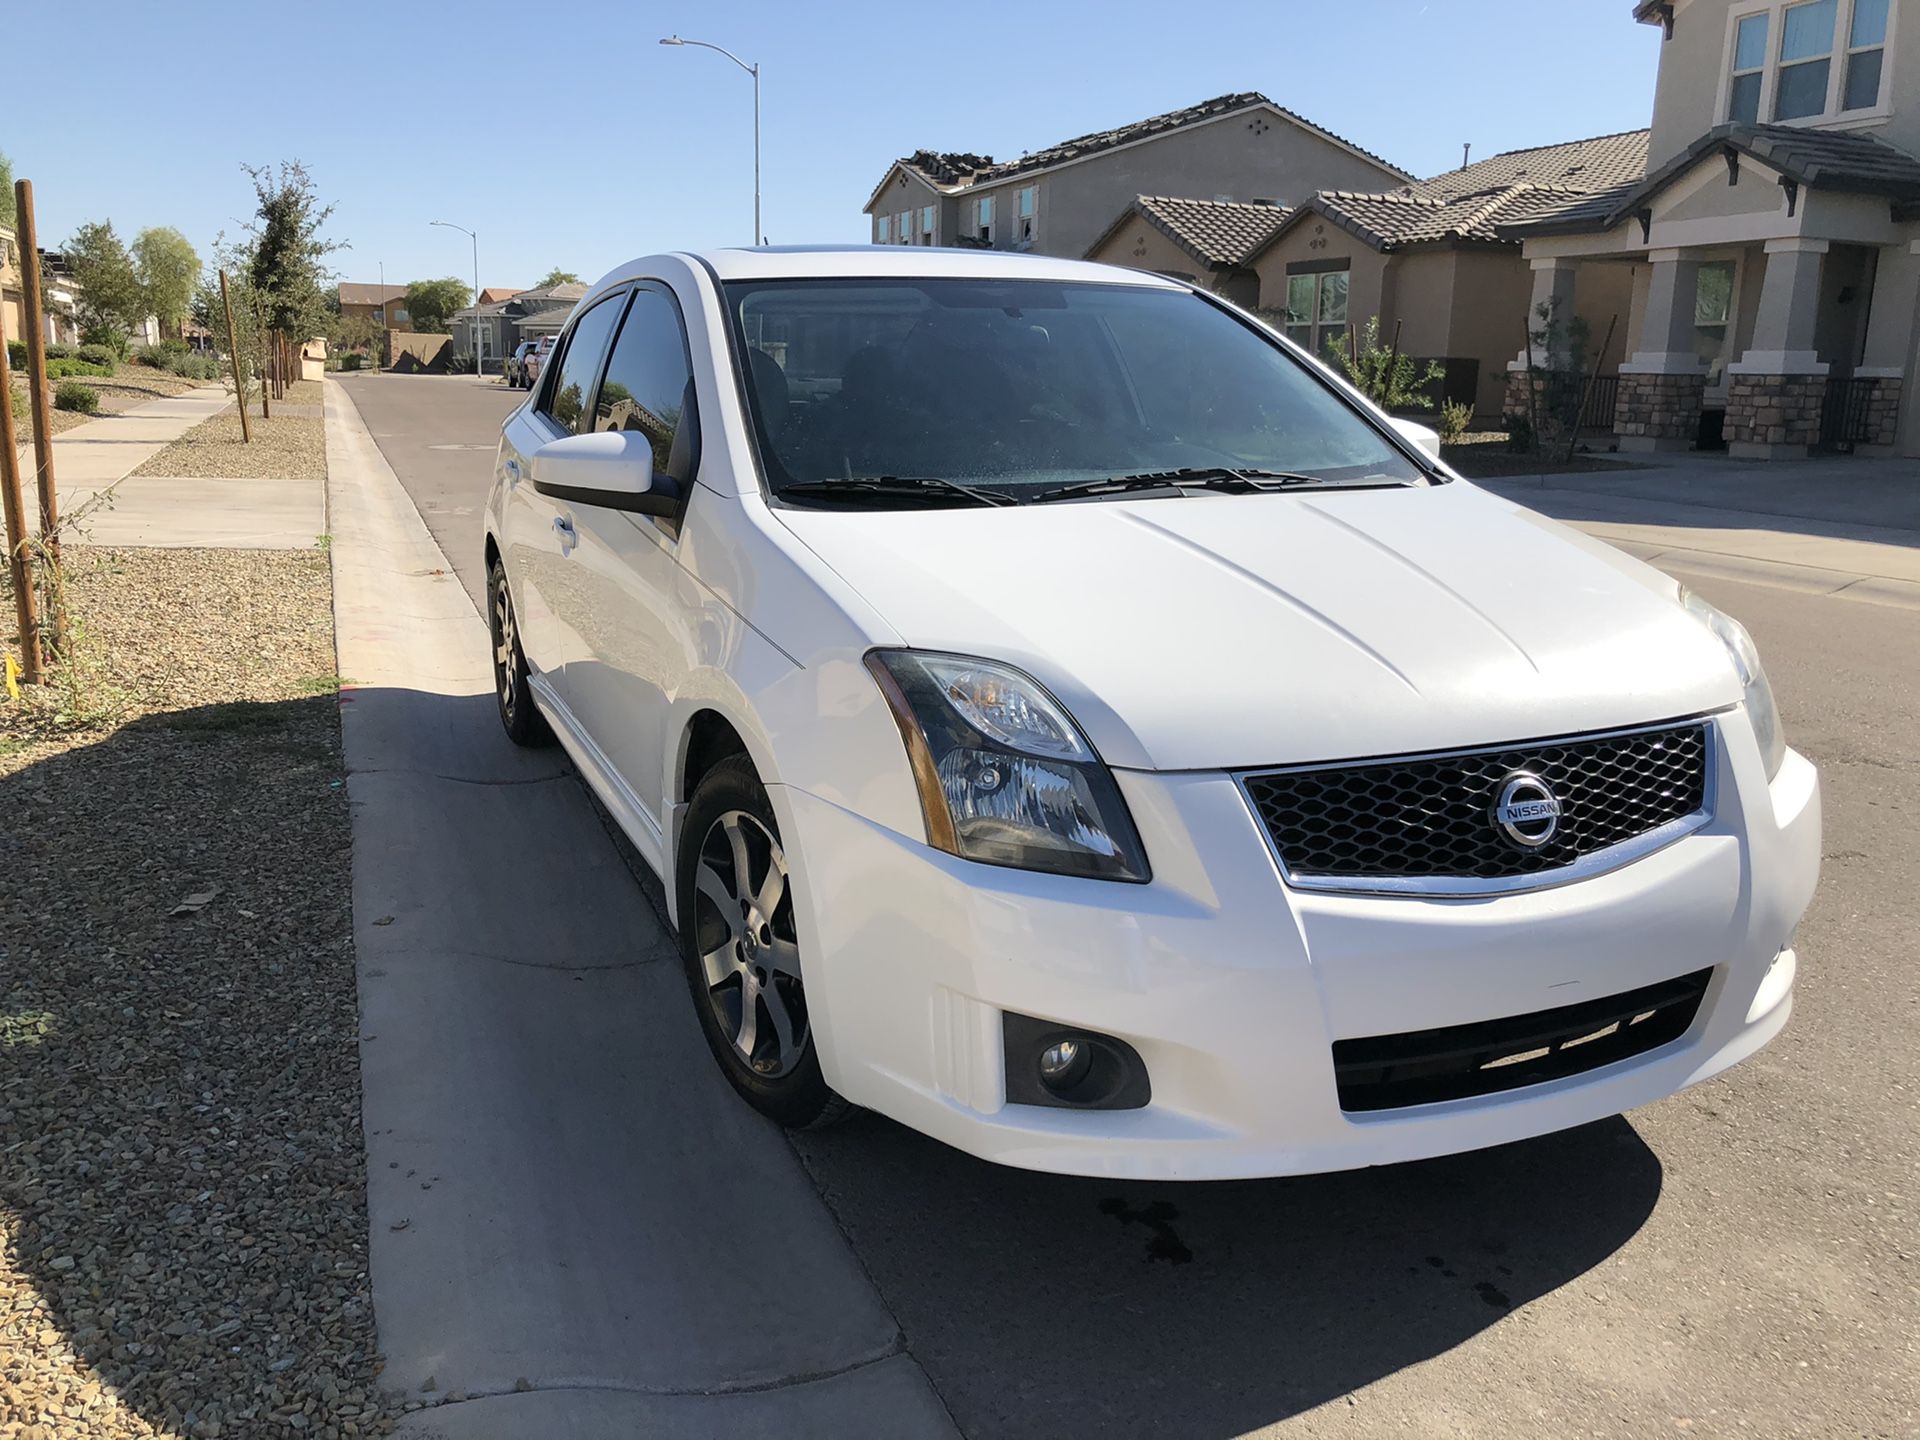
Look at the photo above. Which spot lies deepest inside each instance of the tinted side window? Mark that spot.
(646, 387)
(566, 401)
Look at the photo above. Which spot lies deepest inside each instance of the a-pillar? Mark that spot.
(1775, 390)
(1663, 385)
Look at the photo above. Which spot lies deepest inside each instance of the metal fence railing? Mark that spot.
(1843, 415)
(1597, 413)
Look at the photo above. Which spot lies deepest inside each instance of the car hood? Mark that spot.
(1237, 631)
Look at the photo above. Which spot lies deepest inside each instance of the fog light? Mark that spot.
(1064, 1064)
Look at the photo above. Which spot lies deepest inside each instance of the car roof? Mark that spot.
(791, 262)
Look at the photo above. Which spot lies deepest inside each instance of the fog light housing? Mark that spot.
(1055, 1065)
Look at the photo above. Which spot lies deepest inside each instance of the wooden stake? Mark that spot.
(1533, 414)
(233, 353)
(19, 558)
(34, 316)
(1586, 390)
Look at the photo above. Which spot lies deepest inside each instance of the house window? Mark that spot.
(926, 224)
(1806, 59)
(1749, 69)
(1316, 308)
(883, 230)
(904, 226)
(1026, 202)
(1866, 48)
(983, 218)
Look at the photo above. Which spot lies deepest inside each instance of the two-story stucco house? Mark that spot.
(1060, 200)
(1774, 240)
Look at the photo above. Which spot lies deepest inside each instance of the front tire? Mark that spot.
(741, 952)
(512, 693)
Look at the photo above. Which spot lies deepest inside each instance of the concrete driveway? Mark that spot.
(1739, 1259)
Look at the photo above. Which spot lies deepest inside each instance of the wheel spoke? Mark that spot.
(721, 963)
(767, 899)
(783, 957)
(782, 1021)
(707, 881)
(749, 1032)
(742, 865)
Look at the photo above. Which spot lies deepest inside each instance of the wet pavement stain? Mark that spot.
(1158, 1217)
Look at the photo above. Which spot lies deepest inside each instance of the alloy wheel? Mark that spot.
(749, 954)
(505, 655)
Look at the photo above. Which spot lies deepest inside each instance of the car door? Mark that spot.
(538, 535)
(630, 603)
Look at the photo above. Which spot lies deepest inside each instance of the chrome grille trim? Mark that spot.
(1585, 867)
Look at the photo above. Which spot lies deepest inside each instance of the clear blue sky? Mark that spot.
(622, 147)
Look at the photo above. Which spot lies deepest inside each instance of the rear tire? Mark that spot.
(512, 693)
(741, 952)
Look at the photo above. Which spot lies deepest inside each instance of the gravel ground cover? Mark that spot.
(183, 1246)
(23, 418)
(292, 447)
(1483, 454)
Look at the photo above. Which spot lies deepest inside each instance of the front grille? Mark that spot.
(1385, 1072)
(1431, 818)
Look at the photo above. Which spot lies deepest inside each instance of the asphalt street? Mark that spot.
(1739, 1259)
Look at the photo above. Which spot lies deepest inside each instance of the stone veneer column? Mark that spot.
(1776, 390)
(1662, 386)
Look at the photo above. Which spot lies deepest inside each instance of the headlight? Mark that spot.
(1004, 774)
(1762, 713)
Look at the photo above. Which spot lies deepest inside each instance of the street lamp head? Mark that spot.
(673, 40)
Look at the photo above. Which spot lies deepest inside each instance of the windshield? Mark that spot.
(1023, 386)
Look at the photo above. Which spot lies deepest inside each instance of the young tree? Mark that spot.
(1385, 376)
(169, 272)
(431, 303)
(557, 277)
(286, 266)
(111, 300)
(6, 191)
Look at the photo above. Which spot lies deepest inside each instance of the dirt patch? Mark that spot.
(1486, 455)
(183, 1193)
(283, 448)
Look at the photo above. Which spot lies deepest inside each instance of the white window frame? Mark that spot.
(1831, 117)
(903, 227)
(1026, 224)
(883, 229)
(928, 219)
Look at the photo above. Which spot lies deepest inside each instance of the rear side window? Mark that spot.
(648, 385)
(582, 351)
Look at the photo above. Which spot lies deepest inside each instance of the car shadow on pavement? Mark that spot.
(1045, 1305)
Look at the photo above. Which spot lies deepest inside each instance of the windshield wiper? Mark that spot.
(917, 487)
(1235, 482)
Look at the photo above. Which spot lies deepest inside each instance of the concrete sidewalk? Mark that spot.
(577, 1229)
(1840, 526)
(103, 503)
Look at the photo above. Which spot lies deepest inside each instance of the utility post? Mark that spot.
(233, 354)
(35, 317)
(19, 558)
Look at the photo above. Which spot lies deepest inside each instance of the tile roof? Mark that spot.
(354, 293)
(569, 292)
(497, 292)
(1221, 233)
(554, 316)
(1594, 164)
(958, 169)
(1840, 160)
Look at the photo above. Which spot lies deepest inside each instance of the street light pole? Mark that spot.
(474, 236)
(759, 236)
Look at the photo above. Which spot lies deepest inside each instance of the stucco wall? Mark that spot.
(1367, 283)
(907, 191)
(1490, 293)
(1248, 156)
(1687, 94)
(1138, 245)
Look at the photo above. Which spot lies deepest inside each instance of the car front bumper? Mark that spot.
(1233, 988)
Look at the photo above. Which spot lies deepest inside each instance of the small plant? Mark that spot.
(103, 336)
(59, 352)
(61, 369)
(1455, 416)
(99, 355)
(151, 355)
(353, 360)
(460, 364)
(72, 395)
(194, 367)
(1380, 372)
(17, 354)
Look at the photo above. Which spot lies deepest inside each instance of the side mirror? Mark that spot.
(610, 468)
(1423, 437)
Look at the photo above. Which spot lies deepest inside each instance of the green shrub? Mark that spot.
(175, 346)
(1455, 416)
(59, 352)
(152, 355)
(353, 360)
(72, 395)
(194, 367)
(17, 354)
(460, 364)
(100, 355)
(108, 337)
(61, 369)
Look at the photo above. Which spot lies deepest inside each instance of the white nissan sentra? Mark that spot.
(1071, 722)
